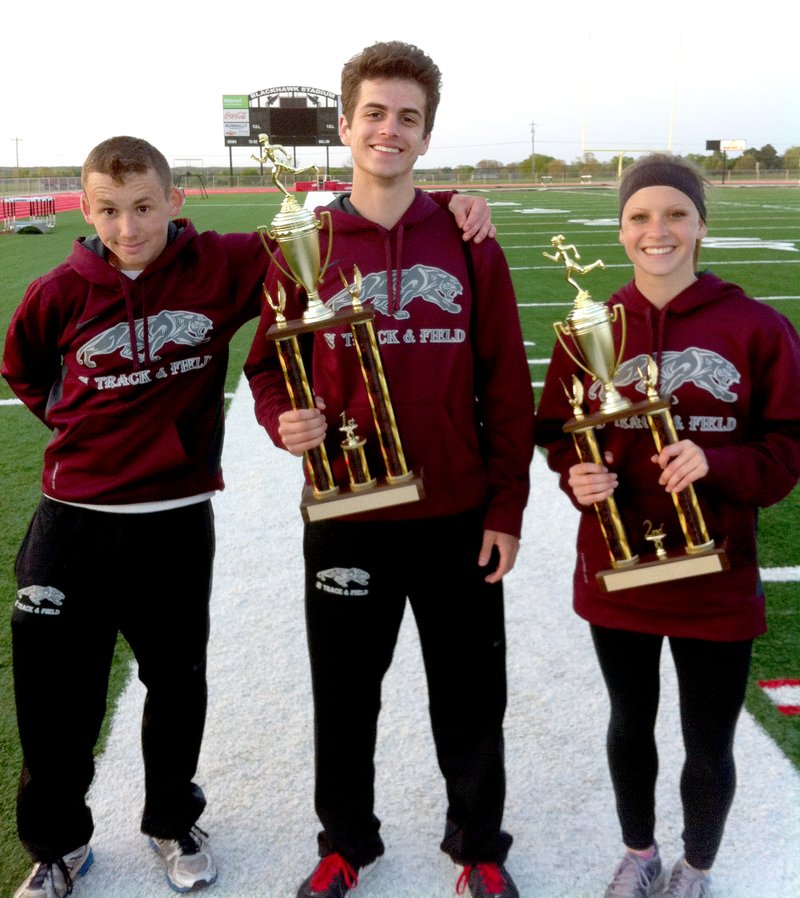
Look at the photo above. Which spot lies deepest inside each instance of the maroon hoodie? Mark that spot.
(732, 366)
(145, 425)
(454, 360)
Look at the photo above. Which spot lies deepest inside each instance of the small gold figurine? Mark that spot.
(650, 379)
(278, 306)
(355, 289)
(656, 536)
(349, 428)
(576, 396)
(570, 265)
(276, 156)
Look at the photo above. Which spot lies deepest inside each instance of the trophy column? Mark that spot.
(363, 332)
(608, 516)
(690, 517)
(294, 373)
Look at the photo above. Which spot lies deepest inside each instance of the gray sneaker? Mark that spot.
(686, 882)
(56, 880)
(188, 860)
(636, 877)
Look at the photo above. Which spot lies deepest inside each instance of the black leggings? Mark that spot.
(712, 677)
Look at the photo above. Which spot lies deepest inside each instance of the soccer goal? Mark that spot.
(188, 169)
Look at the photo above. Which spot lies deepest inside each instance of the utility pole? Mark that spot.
(17, 142)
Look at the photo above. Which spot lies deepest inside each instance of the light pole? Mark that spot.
(533, 151)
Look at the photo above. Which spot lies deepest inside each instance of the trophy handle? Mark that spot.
(561, 330)
(619, 313)
(326, 214)
(261, 229)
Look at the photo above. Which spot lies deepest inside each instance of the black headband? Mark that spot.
(662, 174)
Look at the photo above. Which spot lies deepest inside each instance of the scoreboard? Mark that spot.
(293, 116)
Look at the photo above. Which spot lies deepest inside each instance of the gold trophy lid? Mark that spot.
(292, 221)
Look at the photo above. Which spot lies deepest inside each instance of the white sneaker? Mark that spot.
(56, 880)
(686, 882)
(636, 877)
(189, 862)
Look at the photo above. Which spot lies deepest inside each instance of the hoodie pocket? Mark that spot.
(103, 454)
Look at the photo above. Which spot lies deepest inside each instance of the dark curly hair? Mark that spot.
(392, 59)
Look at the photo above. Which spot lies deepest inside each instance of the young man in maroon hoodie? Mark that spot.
(122, 352)
(452, 348)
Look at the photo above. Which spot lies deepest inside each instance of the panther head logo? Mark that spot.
(418, 282)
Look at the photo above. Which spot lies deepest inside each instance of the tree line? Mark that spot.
(762, 161)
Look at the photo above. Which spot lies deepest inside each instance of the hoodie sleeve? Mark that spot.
(766, 467)
(31, 358)
(442, 197)
(248, 263)
(505, 402)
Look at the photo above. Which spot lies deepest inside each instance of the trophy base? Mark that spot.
(355, 501)
(675, 567)
(325, 319)
(599, 419)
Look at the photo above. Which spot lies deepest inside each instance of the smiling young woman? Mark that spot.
(721, 356)
(661, 229)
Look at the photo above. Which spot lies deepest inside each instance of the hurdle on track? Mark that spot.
(29, 214)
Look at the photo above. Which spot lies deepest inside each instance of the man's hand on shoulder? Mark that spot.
(472, 215)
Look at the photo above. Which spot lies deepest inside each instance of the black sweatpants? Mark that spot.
(358, 578)
(84, 576)
(712, 677)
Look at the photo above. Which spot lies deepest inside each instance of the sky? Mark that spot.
(555, 79)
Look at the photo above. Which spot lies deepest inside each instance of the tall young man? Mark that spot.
(452, 348)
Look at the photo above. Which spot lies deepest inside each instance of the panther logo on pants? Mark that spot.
(36, 597)
(343, 581)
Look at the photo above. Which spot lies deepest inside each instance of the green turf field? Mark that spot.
(754, 240)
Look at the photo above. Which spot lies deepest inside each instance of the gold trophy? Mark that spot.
(589, 326)
(295, 230)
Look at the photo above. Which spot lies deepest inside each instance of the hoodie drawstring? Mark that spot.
(394, 274)
(125, 283)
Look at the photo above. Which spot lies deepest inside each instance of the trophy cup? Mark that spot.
(589, 327)
(295, 231)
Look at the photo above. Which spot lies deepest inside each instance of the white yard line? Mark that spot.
(780, 574)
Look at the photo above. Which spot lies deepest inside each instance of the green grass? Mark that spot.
(587, 218)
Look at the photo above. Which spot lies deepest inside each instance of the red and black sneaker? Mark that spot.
(485, 880)
(333, 877)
